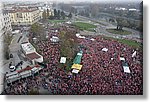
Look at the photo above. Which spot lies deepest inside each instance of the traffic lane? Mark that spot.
(102, 28)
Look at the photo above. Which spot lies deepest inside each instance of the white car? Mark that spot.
(12, 68)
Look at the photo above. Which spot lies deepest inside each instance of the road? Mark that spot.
(102, 26)
(14, 48)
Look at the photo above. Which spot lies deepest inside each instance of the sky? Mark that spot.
(81, 0)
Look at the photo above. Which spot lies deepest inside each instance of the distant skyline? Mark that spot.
(69, 1)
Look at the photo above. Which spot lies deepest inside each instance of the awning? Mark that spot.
(76, 66)
(25, 69)
(78, 57)
(12, 73)
(25, 74)
(13, 76)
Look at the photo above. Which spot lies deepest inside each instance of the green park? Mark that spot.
(85, 26)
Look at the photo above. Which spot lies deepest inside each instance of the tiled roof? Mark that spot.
(33, 55)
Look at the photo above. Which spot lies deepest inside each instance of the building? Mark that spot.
(2, 23)
(25, 15)
(7, 21)
(45, 8)
(30, 53)
(5, 25)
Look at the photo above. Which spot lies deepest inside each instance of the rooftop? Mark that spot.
(23, 9)
(27, 47)
(33, 55)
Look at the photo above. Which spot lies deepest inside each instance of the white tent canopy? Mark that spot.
(126, 69)
(68, 22)
(105, 49)
(63, 60)
(54, 39)
(77, 34)
(15, 31)
(56, 31)
(35, 70)
(80, 54)
(75, 71)
(34, 38)
(122, 59)
(83, 37)
(134, 54)
(92, 39)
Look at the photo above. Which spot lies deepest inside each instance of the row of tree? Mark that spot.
(88, 10)
(68, 46)
(37, 31)
(46, 14)
(60, 15)
(7, 41)
(57, 15)
(137, 25)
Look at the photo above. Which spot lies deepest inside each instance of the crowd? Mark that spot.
(102, 72)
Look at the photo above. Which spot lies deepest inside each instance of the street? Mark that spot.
(14, 50)
(102, 26)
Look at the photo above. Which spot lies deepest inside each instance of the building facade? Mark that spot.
(5, 21)
(24, 16)
(30, 53)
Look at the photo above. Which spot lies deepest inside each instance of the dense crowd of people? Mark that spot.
(102, 72)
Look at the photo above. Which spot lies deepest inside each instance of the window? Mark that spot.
(19, 15)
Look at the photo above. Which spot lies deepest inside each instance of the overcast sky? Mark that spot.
(81, 0)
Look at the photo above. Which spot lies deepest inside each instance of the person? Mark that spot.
(11, 55)
(10, 64)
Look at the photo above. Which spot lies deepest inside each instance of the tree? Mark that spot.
(47, 13)
(121, 23)
(38, 31)
(111, 20)
(73, 10)
(94, 10)
(68, 43)
(55, 13)
(51, 17)
(70, 15)
(58, 14)
(7, 41)
(44, 15)
(7, 38)
(62, 15)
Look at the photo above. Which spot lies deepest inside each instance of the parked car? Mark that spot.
(12, 68)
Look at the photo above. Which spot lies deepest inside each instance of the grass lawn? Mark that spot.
(126, 41)
(84, 26)
(56, 21)
(114, 31)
